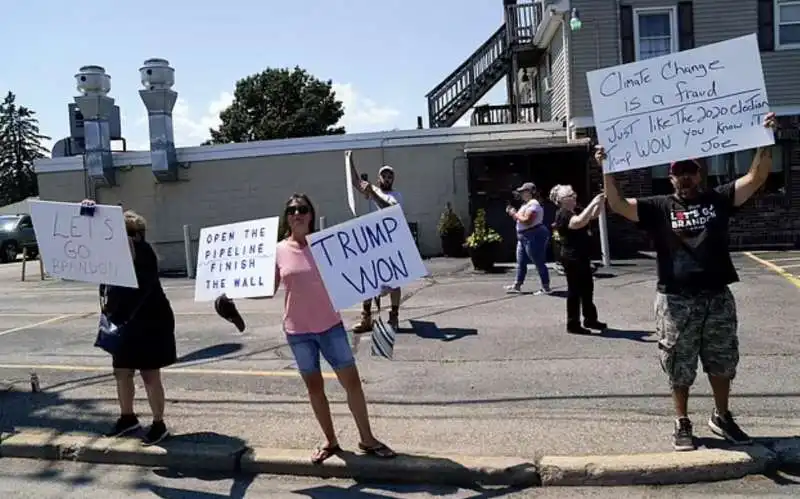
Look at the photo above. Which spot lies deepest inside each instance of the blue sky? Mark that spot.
(382, 55)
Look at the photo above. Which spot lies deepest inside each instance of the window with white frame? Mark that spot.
(787, 23)
(655, 32)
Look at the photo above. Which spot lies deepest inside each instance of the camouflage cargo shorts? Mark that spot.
(700, 326)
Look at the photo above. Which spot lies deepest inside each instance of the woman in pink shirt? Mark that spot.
(313, 327)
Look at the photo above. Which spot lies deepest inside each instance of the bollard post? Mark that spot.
(322, 223)
(24, 261)
(187, 247)
(35, 386)
(603, 222)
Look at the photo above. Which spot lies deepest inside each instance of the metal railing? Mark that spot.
(501, 115)
(522, 21)
(456, 87)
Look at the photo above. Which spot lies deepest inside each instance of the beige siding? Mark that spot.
(558, 94)
(69, 186)
(225, 191)
(596, 45)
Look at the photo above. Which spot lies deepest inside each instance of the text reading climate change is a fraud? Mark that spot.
(696, 103)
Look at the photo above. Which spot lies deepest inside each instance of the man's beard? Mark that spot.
(688, 190)
(385, 186)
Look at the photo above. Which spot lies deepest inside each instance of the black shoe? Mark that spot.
(683, 439)
(723, 425)
(595, 324)
(578, 330)
(157, 432)
(125, 424)
(226, 308)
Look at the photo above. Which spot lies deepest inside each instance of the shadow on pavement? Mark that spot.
(365, 491)
(240, 481)
(49, 411)
(211, 352)
(430, 331)
(627, 334)
(780, 475)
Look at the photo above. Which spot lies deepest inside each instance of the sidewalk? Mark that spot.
(444, 444)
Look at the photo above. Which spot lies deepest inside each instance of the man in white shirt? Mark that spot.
(381, 196)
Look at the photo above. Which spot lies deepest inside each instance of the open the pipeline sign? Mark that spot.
(359, 258)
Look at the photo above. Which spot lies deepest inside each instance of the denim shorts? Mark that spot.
(332, 344)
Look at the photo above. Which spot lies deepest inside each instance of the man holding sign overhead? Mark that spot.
(381, 196)
(695, 310)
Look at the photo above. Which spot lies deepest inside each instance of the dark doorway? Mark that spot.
(494, 176)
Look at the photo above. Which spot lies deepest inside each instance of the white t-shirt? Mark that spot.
(393, 196)
(538, 214)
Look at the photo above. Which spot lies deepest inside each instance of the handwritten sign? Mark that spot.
(359, 258)
(82, 248)
(237, 260)
(702, 102)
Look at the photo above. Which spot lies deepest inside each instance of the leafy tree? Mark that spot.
(20, 145)
(279, 104)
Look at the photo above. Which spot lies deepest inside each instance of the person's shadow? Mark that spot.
(184, 448)
(627, 334)
(431, 331)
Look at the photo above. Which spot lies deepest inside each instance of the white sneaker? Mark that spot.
(513, 289)
(542, 292)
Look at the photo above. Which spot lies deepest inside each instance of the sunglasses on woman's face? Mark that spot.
(298, 210)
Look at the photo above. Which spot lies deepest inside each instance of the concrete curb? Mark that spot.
(703, 465)
(449, 470)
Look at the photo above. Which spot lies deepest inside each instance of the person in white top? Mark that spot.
(381, 196)
(532, 239)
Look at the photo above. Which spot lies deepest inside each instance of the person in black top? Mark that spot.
(695, 310)
(575, 256)
(148, 344)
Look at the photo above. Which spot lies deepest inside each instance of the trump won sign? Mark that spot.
(360, 258)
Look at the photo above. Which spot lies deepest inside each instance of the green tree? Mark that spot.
(279, 104)
(20, 145)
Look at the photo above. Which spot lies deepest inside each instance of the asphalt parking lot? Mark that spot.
(476, 371)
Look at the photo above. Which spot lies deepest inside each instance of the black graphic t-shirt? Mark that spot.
(691, 239)
(574, 242)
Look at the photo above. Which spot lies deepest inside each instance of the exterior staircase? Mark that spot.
(465, 86)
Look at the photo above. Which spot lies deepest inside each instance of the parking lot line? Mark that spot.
(42, 323)
(177, 370)
(775, 268)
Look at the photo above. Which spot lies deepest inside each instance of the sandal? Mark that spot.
(323, 453)
(378, 450)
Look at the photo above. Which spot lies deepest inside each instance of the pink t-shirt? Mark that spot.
(307, 308)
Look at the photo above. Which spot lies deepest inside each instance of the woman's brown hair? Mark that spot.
(284, 230)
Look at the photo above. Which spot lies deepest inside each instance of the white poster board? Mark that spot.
(359, 258)
(702, 102)
(237, 260)
(83, 248)
(351, 177)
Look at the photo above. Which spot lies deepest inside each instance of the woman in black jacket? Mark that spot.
(148, 342)
(574, 243)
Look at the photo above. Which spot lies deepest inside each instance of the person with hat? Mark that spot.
(532, 238)
(695, 309)
(382, 196)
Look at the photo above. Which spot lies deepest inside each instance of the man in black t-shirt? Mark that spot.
(695, 310)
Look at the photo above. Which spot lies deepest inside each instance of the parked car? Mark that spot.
(16, 234)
